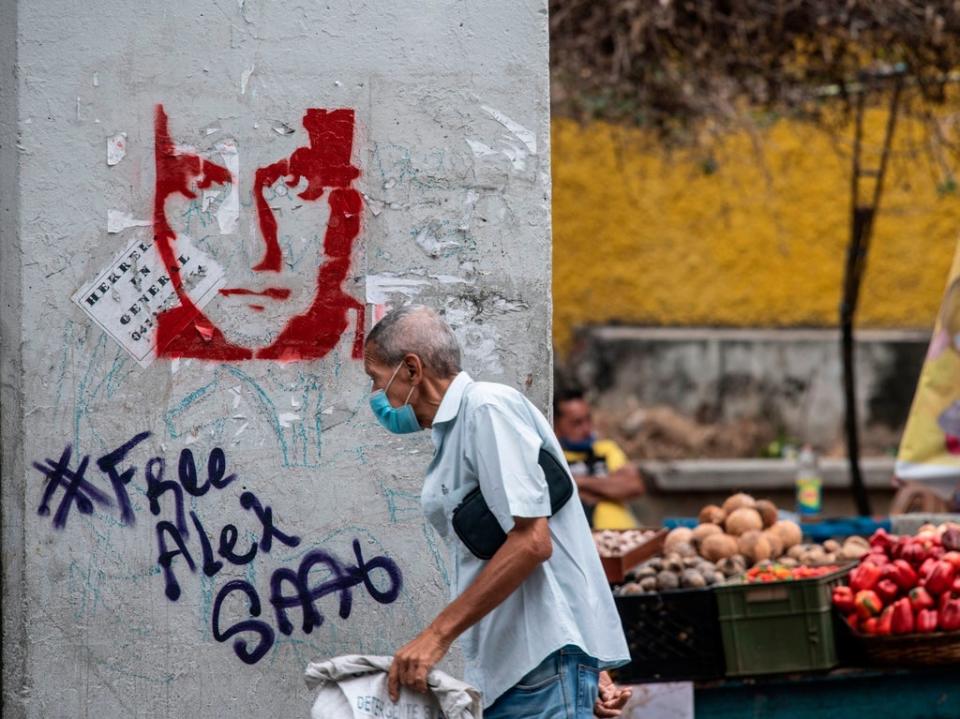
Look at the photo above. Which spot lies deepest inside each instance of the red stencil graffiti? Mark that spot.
(320, 172)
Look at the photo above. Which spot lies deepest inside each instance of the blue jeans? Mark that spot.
(563, 686)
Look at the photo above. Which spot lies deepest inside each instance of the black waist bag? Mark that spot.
(480, 531)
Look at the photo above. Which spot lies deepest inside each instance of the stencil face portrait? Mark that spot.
(284, 234)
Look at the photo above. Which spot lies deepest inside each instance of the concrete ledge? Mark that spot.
(713, 475)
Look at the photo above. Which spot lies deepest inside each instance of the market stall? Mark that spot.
(767, 623)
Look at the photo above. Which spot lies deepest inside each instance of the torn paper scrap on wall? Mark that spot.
(116, 148)
(228, 214)
(125, 298)
(118, 221)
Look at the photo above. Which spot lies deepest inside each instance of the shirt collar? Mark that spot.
(450, 404)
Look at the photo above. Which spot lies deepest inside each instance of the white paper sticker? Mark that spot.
(116, 148)
(126, 297)
(228, 214)
(118, 221)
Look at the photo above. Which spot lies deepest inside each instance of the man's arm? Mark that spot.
(621, 485)
(527, 546)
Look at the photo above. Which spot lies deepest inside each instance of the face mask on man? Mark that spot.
(399, 420)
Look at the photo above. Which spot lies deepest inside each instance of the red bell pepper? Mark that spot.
(896, 551)
(920, 599)
(881, 540)
(927, 621)
(902, 617)
(867, 603)
(953, 558)
(853, 620)
(864, 577)
(950, 616)
(951, 539)
(869, 626)
(875, 557)
(928, 564)
(885, 623)
(904, 575)
(887, 590)
(940, 577)
(955, 587)
(914, 553)
(843, 599)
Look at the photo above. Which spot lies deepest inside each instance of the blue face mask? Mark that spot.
(583, 446)
(399, 420)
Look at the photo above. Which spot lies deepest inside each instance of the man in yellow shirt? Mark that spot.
(606, 479)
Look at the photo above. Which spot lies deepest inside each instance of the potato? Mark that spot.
(768, 512)
(712, 514)
(743, 520)
(684, 549)
(737, 501)
(754, 546)
(852, 550)
(718, 546)
(789, 532)
(705, 530)
(831, 545)
(668, 580)
(728, 567)
(648, 584)
(692, 579)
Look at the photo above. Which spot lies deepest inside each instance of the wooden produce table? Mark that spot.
(839, 694)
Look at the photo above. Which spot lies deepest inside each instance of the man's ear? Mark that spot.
(414, 367)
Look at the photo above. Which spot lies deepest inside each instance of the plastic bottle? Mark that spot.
(809, 485)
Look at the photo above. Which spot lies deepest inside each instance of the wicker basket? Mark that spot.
(907, 650)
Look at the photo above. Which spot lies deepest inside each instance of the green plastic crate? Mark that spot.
(777, 627)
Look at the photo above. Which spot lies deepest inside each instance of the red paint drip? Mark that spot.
(274, 293)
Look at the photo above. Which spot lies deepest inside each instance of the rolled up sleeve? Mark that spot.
(505, 451)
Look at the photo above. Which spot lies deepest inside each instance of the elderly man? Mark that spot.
(537, 620)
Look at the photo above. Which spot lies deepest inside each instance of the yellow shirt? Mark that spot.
(605, 457)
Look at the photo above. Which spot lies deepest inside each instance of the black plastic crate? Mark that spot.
(672, 636)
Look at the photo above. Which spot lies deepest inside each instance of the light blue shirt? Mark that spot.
(490, 434)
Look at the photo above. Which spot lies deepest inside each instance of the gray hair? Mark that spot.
(416, 329)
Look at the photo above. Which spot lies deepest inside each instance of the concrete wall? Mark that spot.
(133, 386)
(790, 380)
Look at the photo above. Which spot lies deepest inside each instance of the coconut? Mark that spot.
(703, 531)
(768, 512)
(776, 543)
(718, 546)
(754, 546)
(737, 501)
(743, 520)
(680, 535)
(789, 532)
(712, 514)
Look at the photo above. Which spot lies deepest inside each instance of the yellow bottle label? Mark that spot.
(809, 494)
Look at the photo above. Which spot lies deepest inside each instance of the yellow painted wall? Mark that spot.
(643, 236)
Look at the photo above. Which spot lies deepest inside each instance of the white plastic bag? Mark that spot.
(355, 687)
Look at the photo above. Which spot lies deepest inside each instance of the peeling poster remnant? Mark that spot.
(125, 299)
(116, 148)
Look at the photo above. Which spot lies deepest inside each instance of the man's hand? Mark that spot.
(612, 698)
(413, 662)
